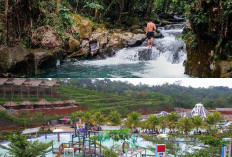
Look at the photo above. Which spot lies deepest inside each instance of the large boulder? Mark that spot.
(44, 61)
(16, 61)
(120, 40)
(74, 45)
(100, 36)
(84, 25)
(46, 37)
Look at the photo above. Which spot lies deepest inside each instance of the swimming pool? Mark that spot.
(66, 137)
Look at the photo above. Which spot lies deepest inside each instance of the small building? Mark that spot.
(162, 113)
(26, 105)
(43, 104)
(11, 105)
(71, 102)
(59, 104)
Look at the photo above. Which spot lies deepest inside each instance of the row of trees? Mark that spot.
(179, 96)
(171, 121)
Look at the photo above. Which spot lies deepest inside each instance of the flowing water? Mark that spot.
(164, 60)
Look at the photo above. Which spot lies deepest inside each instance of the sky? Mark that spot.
(193, 82)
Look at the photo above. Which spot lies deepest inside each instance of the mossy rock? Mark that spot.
(85, 26)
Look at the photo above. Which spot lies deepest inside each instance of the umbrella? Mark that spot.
(58, 133)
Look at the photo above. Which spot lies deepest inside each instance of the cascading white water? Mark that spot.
(164, 60)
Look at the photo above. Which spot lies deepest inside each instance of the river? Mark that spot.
(165, 60)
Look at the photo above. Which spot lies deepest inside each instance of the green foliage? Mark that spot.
(66, 16)
(93, 5)
(185, 125)
(197, 122)
(114, 118)
(133, 120)
(19, 146)
(152, 121)
(109, 153)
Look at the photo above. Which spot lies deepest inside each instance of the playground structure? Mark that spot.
(82, 145)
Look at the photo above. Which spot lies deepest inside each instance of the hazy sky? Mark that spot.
(193, 82)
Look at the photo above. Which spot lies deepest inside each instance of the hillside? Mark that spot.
(106, 102)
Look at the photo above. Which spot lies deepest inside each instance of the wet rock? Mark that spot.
(101, 36)
(17, 61)
(135, 40)
(157, 34)
(44, 61)
(187, 28)
(84, 25)
(46, 37)
(145, 54)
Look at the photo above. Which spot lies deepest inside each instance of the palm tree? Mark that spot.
(172, 120)
(88, 118)
(114, 118)
(19, 146)
(153, 121)
(98, 118)
(197, 121)
(133, 120)
(213, 119)
(186, 125)
(162, 123)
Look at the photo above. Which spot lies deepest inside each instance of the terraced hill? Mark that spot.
(106, 102)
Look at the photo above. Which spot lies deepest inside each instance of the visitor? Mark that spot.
(94, 48)
(151, 27)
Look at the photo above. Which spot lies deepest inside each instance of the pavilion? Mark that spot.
(26, 105)
(43, 104)
(28, 87)
(11, 105)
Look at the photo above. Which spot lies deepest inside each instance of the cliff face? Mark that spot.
(209, 42)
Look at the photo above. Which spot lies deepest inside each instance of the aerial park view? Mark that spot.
(82, 117)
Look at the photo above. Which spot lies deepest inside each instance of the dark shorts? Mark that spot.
(150, 35)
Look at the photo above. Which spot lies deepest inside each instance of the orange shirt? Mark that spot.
(151, 27)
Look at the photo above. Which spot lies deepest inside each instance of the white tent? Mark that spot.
(32, 130)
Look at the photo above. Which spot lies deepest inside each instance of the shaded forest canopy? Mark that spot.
(32, 14)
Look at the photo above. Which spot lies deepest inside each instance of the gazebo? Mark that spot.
(59, 103)
(71, 102)
(43, 104)
(11, 105)
(26, 105)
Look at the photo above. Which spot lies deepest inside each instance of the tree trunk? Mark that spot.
(58, 6)
(6, 18)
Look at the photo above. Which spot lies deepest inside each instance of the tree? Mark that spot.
(186, 125)
(172, 120)
(162, 123)
(87, 118)
(153, 121)
(19, 146)
(98, 118)
(213, 119)
(197, 122)
(133, 120)
(114, 118)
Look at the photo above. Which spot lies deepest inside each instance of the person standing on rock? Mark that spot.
(151, 27)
